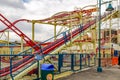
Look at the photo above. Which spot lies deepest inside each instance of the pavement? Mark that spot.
(108, 73)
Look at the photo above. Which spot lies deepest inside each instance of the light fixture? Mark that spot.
(110, 8)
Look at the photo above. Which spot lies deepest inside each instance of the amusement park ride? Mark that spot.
(80, 37)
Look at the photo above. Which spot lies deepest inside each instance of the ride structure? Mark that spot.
(78, 34)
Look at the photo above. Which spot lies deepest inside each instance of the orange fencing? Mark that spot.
(114, 60)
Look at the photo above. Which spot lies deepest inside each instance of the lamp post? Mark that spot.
(110, 8)
(99, 68)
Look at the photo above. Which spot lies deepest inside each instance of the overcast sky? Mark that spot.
(37, 9)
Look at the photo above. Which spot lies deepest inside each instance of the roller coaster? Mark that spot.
(78, 35)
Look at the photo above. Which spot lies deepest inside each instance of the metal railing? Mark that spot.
(62, 62)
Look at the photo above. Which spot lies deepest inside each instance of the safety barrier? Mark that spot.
(62, 62)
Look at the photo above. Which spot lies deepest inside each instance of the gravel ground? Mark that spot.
(111, 73)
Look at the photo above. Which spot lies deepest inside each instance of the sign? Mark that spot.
(49, 77)
(38, 57)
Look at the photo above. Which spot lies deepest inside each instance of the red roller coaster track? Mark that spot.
(18, 32)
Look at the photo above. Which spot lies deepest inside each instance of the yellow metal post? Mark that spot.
(70, 31)
(118, 20)
(110, 34)
(22, 47)
(55, 32)
(33, 30)
(80, 46)
(94, 39)
(8, 37)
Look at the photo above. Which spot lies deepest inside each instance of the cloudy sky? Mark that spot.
(37, 9)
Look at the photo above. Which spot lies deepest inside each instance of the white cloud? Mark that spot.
(38, 9)
(12, 3)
